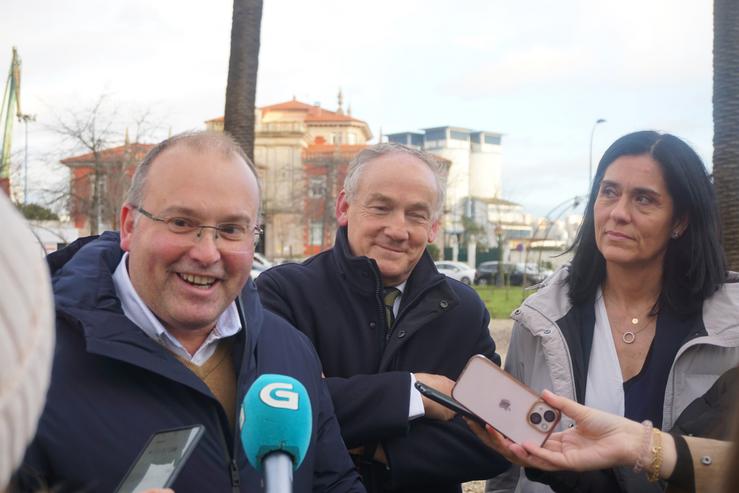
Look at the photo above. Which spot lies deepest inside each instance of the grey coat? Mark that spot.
(539, 355)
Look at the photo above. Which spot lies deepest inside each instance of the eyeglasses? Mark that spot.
(234, 233)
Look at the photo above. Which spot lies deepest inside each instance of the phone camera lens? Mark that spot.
(549, 416)
(535, 418)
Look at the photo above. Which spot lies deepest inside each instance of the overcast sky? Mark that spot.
(540, 72)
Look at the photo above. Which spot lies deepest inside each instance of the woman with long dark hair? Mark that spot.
(645, 318)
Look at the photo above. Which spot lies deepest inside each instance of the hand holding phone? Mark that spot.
(508, 405)
(447, 401)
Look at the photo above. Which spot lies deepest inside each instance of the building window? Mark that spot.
(317, 186)
(352, 139)
(316, 233)
(492, 139)
(457, 135)
(436, 134)
(336, 139)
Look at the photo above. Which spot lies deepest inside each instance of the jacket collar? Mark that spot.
(551, 303)
(363, 274)
(85, 296)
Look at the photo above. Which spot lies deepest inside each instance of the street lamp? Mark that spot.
(26, 118)
(590, 168)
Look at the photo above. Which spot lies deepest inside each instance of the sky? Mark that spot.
(540, 72)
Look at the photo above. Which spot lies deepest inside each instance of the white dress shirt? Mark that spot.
(137, 312)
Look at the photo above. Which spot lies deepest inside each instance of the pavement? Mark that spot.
(500, 330)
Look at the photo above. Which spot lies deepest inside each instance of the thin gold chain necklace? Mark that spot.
(630, 335)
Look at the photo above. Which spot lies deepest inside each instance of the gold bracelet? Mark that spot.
(656, 463)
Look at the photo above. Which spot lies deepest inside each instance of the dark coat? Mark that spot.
(335, 298)
(112, 387)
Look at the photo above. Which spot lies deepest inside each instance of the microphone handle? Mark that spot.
(278, 473)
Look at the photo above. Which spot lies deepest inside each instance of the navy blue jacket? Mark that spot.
(112, 387)
(335, 298)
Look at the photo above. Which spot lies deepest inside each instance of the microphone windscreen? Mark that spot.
(276, 416)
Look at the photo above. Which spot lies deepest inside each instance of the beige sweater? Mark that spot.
(219, 374)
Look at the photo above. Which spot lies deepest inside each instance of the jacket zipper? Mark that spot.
(230, 459)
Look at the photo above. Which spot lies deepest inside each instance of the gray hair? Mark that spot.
(357, 165)
(219, 142)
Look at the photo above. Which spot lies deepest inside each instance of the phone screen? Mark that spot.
(160, 461)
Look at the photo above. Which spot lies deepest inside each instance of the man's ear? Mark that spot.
(128, 216)
(342, 209)
(434, 230)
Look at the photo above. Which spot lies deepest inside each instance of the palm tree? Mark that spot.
(726, 122)
(242, 73)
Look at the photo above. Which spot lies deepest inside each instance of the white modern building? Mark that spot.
(475, 172)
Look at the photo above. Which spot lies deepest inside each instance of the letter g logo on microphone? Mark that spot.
(279, 395)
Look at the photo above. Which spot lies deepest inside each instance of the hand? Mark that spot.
(599, 440)
(441, 383)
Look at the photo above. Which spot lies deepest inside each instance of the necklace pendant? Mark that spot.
(634, 321)
(628, 337)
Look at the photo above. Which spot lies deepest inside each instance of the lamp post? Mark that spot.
(26, 118)
(590, 168)
(550, 218)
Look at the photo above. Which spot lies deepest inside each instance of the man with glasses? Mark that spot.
(381, 317)
(159, 327)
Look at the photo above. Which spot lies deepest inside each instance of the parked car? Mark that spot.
(256, 269)
(261, 260)
(261, 263)
(456, 270)
(488, 272)
(533, 274)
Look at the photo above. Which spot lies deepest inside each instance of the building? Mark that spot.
(475, 171)
(301, 152)
(474, 184)
(112, 168)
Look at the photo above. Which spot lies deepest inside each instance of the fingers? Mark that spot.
(434, 410)
(567, 406)
(444, 385)
(541, 458)
(438, 382)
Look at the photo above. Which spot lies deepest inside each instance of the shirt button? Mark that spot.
(372, 325)
(401, 334)
(706, 460)
(548, 331)
(444, 304)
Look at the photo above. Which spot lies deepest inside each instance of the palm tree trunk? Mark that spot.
(726, 122)
(242, 73)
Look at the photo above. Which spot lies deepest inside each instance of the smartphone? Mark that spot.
(447, 401)
(508, 405)
(161, 459)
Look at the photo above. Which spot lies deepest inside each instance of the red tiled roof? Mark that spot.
(111, 155)
(313, 113)
(292, 105)
(314, 149)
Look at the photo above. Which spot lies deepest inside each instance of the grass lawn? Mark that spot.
(501, 301)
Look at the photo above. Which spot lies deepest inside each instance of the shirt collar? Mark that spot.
(136, 310)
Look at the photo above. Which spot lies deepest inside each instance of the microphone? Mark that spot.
(276, 425)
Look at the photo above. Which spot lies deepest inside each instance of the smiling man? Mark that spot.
(381, 317)
(159, 328)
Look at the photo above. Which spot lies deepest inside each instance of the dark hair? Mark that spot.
(694, 263)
